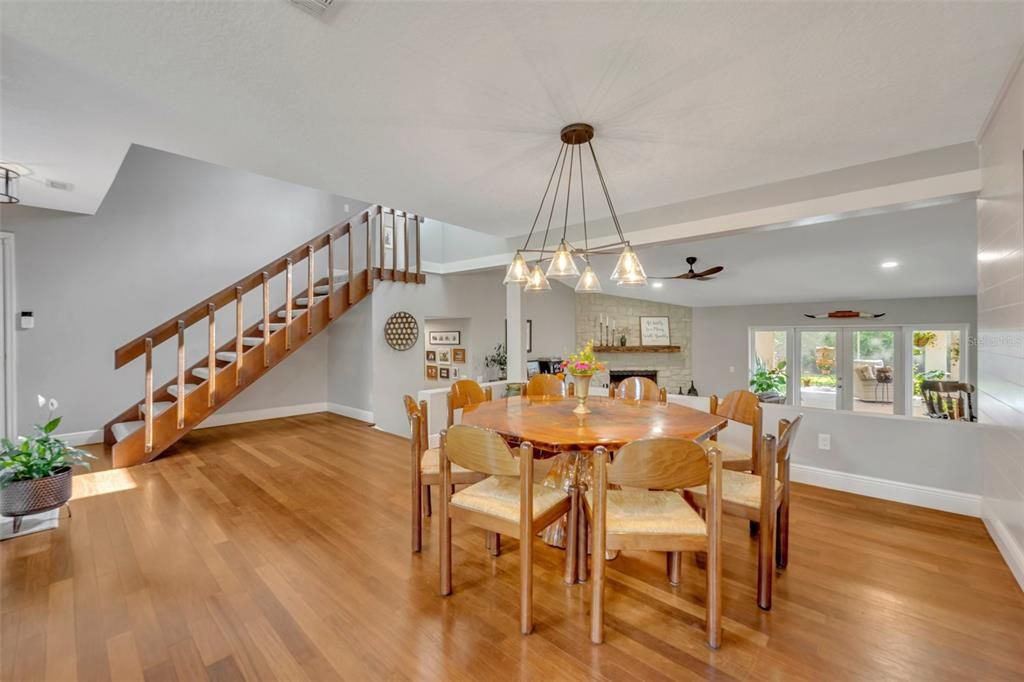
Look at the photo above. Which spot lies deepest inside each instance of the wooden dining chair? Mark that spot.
(547, 385)
(638, 388)
(949, 400)
(650, 513)
(465, 392)
(763, 498)
(506, 502)
(742, 407)
(426, 468)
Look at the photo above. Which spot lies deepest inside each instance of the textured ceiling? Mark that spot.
(452, 109)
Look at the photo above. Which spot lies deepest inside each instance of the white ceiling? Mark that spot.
(841, 260)
(452, 109)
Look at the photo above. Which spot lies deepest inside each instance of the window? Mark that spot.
(866, 369)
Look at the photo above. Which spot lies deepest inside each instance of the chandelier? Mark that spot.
(561, 258)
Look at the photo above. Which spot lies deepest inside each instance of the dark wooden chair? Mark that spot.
(949, 400)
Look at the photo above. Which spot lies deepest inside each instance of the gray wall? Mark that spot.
(720, 338)
(349, 373)
(553, 314)
(1001, 323)
(170, 232)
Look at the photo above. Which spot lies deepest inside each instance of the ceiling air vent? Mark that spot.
(314, 7)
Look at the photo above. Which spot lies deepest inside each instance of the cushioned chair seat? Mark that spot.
(739, 488)
(499, 496)
(649, 512)
(429, 463)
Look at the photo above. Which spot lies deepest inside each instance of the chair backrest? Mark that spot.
(660, 464)
(545, 385)
(420, 412)
(739, 406)
(639, 388)
(948, 400)
(479, 449)
(465, 392)
(787, 432)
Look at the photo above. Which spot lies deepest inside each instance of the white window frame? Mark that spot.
(902, 344)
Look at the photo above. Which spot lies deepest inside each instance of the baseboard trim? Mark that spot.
(894, 491)
(77, 438)
(1013, 553)
(351, 412)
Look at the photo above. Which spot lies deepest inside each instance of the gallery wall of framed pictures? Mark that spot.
(445, 355)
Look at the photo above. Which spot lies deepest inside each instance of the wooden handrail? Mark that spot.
(200, 311)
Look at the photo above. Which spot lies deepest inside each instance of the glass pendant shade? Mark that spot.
(518, 270)
(537, 281)
(562, 263)
(589, 283)
(628, 271)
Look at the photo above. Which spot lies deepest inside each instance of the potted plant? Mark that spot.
(924, 339)
(768, 383)
(582, 365)
(498, 359)
(35, 472)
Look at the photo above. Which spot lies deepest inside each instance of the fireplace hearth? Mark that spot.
(617, 375)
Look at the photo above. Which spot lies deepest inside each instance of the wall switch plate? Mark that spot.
(26, 320)
(824, 441)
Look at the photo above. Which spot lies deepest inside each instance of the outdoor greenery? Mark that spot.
(767, 379)
(930, 375)
(41, 455)
(827, 380)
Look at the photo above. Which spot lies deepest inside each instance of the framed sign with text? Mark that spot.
(654, 331)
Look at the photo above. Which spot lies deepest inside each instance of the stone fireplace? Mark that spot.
(617, 375)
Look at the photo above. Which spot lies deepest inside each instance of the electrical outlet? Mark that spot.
(824, 441)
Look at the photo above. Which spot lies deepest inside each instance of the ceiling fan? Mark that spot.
(705, 275)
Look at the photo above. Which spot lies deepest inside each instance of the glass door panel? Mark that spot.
(768, 365)
(935, 355)
(873, 377)
(820, 365)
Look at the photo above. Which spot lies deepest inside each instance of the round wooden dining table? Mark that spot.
(555, 431)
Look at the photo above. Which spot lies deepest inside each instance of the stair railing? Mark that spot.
(175, 327)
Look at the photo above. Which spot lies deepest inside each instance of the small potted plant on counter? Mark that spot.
(582, 365)
(769, 383)
(35, 472)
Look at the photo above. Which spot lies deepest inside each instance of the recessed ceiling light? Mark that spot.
(989, 256)
(657, 285)
(890, 264)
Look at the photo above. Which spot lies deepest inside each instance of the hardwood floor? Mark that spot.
(279, 550)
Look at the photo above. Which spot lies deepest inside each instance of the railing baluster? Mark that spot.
(351, 266)
(148, 417)
(419, 267)
(181, 374)
(266, 319)
(380, 234)
(309, 290)
(239, 331)
(369, 255)
(288, 305)
(330, 276)
(211, 359)
(394, 245)
(405, 244)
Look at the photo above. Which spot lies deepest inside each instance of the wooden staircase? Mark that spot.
(168, 412)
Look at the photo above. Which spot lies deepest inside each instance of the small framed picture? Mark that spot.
(455, 373)
(444, 338)
(431, 371)
(444, 372)
(389, 236)
(431, 356)
(458, 354)
(444, 356)
(654, 331)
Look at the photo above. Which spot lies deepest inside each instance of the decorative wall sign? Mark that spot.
(444, 356)
(458, 354)
(444, 338)
(401, 331)
(654, 331)
(431, 371)
(444, 372)
(431, 356)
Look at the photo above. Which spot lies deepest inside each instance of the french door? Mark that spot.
(850, 368)
(819, 367)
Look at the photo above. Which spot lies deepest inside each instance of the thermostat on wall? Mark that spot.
(26, 320)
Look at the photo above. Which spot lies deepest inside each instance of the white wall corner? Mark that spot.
(352, 412)
(1012, 552)
(894, 491)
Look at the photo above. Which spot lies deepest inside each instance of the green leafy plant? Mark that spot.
(499, 358)
(924, 339)
(826, 380)
(41, 455)
(765, 379)
(583, 363)
(930, 375)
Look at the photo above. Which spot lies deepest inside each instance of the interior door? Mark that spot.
(820, 367)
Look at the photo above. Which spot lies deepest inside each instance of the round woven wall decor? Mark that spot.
(401, 331)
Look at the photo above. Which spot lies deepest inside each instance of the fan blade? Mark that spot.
(710, 271)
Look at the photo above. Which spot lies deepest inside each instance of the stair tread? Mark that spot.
(274, 326)
(304, 301)
(202, 372)
(158, 406)
(295, 313)
(251, 341)
(173, 388)
(122, 430)
(227, 355)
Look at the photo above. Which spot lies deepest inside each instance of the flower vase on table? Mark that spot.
(582, 365)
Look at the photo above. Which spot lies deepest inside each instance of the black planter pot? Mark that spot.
(35, 495)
